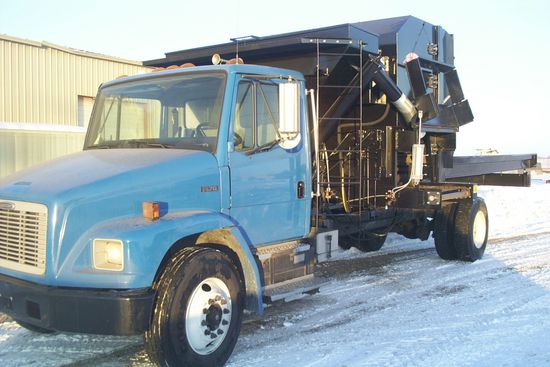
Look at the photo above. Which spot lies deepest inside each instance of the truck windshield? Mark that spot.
(181, 111)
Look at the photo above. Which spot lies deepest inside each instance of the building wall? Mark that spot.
(45, 96)
(544, 163)
(20, 149)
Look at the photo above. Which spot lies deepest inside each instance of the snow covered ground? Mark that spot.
(401, 306)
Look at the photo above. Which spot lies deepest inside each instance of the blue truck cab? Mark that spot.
(200, 166)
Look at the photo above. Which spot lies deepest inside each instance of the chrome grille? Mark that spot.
(23, 229)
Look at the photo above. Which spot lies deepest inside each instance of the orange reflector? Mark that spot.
(151, 210)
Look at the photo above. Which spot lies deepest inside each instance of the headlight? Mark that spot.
(108, 254)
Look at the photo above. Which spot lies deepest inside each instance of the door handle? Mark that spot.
(300, 189)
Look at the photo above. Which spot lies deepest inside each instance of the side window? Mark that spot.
(267, 97)
(244, 117)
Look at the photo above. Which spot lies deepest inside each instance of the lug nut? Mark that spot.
(213, 336)
(210, 301)
(206, 332)
(224, 322)
(203, 323)
(226, 311)
(218, 297)
(223, 301)
(205, 311)
(220, 331)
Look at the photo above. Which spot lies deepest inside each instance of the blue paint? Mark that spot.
(99, 194)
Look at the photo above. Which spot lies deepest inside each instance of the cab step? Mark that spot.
(293, 289)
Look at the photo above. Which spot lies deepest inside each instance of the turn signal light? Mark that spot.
(151, 210)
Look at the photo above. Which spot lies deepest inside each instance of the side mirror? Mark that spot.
(289, 115)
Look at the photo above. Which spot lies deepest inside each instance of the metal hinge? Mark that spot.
(433, 49)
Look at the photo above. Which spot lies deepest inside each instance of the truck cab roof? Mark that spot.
(248, 69)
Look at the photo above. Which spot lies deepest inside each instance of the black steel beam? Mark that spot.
(481, 165)
(499, 179)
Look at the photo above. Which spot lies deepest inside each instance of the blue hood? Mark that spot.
(88, 188)
(76, 171)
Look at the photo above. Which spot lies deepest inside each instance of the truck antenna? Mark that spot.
(243, 38)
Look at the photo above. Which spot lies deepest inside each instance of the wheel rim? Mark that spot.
(208, 316)
(480, 229)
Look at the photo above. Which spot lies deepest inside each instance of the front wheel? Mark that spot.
(198, 310)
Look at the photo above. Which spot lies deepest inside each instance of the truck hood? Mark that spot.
(89, 168)
(82, 191)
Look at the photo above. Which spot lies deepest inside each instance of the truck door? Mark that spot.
(268, 183)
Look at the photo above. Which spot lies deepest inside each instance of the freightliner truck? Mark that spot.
(205, 191)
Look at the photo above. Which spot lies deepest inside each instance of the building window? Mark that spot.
(85, 105)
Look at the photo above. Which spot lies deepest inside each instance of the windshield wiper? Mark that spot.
(99, 146)
(264, 147)
(151, 144)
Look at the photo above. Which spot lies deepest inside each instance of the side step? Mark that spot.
(294, 289)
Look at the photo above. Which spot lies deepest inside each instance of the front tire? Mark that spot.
(198, 310)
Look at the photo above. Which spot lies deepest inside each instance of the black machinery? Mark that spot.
(375, 82)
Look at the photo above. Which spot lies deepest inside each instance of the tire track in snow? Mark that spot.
(394, 279)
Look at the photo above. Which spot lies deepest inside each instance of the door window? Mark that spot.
(267, 97)
(256, 114)
(244, 117)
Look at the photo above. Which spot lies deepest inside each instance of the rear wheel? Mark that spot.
(198, 310)
(443, 233)
(471, 229)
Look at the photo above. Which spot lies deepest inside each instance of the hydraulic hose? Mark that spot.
(341, 160)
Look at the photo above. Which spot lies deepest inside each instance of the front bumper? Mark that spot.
(78, 310)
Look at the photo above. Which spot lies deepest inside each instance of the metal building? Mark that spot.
(46, 98)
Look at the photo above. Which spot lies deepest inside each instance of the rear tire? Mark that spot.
(471, 229)
(443, 233)
(198, 310)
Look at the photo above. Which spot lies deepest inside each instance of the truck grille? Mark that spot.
(23, 229)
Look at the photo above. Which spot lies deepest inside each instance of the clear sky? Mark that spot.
(501, 47)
